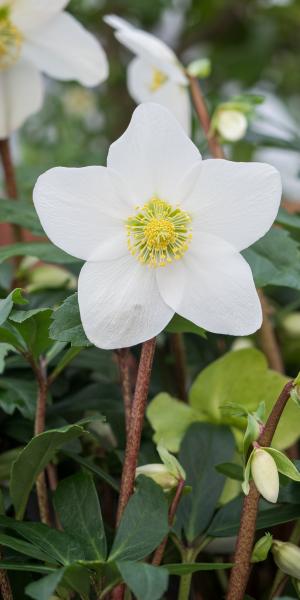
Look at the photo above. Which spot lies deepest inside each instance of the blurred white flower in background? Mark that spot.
(161, 232)
(231, 124)
(155, 73)
(274, 121)
(39, 37)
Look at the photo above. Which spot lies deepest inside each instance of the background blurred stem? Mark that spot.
(5, 588)
(241, 570)
(10, 181)
(123, 355)
(180, 371)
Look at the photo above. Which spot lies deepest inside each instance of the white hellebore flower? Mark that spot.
(154, 75)
(160, 231)
(37, 36)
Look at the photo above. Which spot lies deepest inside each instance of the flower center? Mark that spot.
(158, 79)
(158, 233)
(10, 40)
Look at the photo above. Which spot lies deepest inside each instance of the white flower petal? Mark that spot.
(120, 304)
(153, 51)
(64, 50)
(30, 15)
(171, 95)
(154, 153)
(81, 211)
(235, 201)
(117, 22)
(212, 286)
(288, 164)
(18, 100)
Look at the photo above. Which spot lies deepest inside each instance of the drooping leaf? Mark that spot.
(66, 325)
(33, 459)
(144, 523)
(76, 501)
(275, 260)
(203, 447)
(6, 305)
(18, 394)
(145, 581)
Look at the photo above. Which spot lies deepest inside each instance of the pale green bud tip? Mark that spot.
(265, 474)
(261, 548)
(160, 474)
(231, 124)
(199, 68)
(287, 557)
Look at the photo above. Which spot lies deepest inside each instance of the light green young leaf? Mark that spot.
(251, 434)
(247, 471)
(171, 462)
(262, 548)
(170, 419)
(284, 464)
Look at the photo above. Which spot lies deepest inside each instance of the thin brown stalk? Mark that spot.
(241, 569)
(204, 118)
(136, 425)
(178, 351)
(123, 356)
(10, 181)
(268, 339)
(134, 436)
(5, 589)
(39, 427)
(159, 552)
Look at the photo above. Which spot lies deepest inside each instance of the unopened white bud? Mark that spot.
(231, 124)
(160, 474)
(265, 474)
(287, 557)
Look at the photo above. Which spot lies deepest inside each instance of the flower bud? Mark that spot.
(287, 557)
(231, 124)
(265, 474)
(200, 67)
(49, 277)
(160, 474)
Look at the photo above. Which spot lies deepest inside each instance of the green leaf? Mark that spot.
(170, 419)
(275, 260)
(59, 546)
(44, 588)
(226, 522)
(172, 464)
(22, 547)
(33, 326)
(181, 325)
(261, 548)
(230, 470)
(187, 568)
(33, 459)
(144, 523)
(203, 447)
(43, 250)
(243, 375)
(288, 220)
(20, 566)
(284, 464)
(251, 434)
(4, 350)
(20, 213)
(18, 394)
(94, 469)
(76, 501)
(66, 325)
(145, 581)
(15, 297)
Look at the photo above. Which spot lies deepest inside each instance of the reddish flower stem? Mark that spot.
(242, 565)
(159, 552)
(204, 118)
(10, 181)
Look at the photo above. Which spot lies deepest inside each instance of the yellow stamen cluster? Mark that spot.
(158, 233)
(10, 40)
(158, 79)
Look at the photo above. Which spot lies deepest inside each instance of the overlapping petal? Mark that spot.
(212, 286)
(30, 15)
(169, 94)
(18, 100)
(235, 201)
(83, 211)
(154, 153)
(64, 50)
(120, 304)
